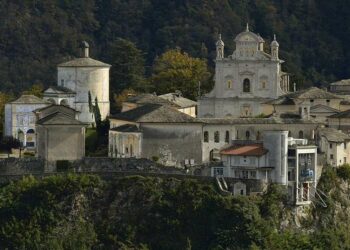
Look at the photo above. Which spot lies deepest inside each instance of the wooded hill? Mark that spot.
(37, 35)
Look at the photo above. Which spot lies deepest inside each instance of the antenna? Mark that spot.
(199, 88)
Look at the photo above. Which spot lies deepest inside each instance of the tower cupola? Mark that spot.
(85, 49)
(274, 48)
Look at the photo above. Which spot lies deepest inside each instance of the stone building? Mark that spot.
(59, 135)
(245, 80)
(219, 132)
(175, 100)
(156, 131)
(20, 119)
(309, 103)
(79, 82)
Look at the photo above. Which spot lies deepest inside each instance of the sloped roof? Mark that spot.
(127, 128)
(341, 82)
(344, 114)
(324, 108)
(333, 135)
(59, 118)
(29, 99)
(59, 90)
(148, 99)
(270, 120)
(154, 113)
(284, 100)
(178, 100)
(313, 93)
(245, 150)
(84, 62)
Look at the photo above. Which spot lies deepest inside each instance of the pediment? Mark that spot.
(323, 109)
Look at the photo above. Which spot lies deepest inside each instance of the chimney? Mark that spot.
(85, 49)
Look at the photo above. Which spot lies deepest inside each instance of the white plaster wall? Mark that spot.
(85, 79)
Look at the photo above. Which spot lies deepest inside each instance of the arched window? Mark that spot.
(51, 100)
(246, 85)
(64, 102)
(301, 134)
(206, 136)
(131, 151)
(229, 84)
(30, 137)
(227, 136)
(216, 136)
(247, 135)
(263, 84)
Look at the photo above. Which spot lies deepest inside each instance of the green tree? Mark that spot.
(7, 143)
(35, 89)
(127, 66)
(176, 70)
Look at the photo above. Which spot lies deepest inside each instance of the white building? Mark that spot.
(76, 80)
(245, 80)
(276, 159)
(335, 145)
(20, 119)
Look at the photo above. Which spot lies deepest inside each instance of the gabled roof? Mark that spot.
(333, 135)
(341, 82)
(53, 108)
(127, 128)
(344, 114)
(313, 93)
(84, 62)
(154, 113)
(59, 118)
(148, 99)
(245, 150)
(178, 100)
(319, 108)
(29, 99)
(59, 90)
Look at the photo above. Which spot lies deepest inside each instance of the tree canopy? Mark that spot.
(176, 70)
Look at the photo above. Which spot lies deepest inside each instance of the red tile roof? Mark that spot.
(245, 150)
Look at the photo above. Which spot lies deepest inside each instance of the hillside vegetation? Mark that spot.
(85, 212)
(37, 35)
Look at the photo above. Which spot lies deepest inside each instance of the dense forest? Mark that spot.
(86, 212)
(37, 35)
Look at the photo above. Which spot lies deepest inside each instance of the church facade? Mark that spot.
(245, 80)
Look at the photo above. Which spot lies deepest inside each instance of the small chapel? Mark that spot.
(245, 80)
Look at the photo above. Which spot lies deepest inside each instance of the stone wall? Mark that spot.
(15, 168)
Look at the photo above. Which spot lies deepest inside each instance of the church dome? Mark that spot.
(248, 36)
(274, 43)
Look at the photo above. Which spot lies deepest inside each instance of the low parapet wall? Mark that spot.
(15, 168)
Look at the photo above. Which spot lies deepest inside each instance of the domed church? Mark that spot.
(80, 82)
(245, 80)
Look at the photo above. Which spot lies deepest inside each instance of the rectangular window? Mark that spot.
(218, 171)
(237, 174)
(331, 157)
(330, 145)
(245, 174)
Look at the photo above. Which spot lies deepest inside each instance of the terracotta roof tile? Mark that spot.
(245, 150)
